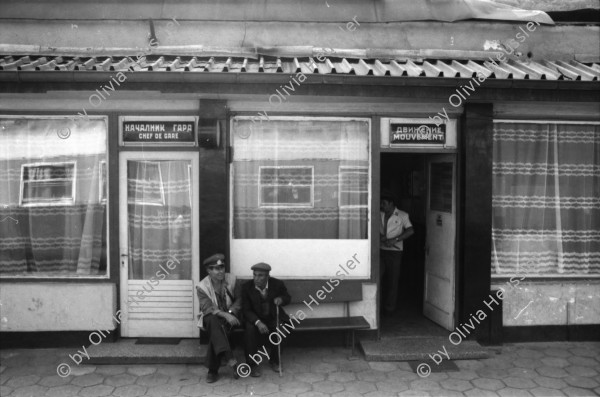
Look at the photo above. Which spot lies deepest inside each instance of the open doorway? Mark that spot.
(424, 186)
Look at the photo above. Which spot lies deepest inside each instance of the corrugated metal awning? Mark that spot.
(510, 69)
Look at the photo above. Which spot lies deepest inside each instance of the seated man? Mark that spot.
(260, 297)
(220, 306)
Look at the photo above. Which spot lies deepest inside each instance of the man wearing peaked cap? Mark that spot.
(260, 296)
(220, 308)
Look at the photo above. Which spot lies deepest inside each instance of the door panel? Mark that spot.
(439, 299)
(158, 243)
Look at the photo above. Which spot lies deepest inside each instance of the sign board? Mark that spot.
(417, 133)
(159, 131)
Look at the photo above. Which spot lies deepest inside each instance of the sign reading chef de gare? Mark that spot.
(182, 132)
(417, 134)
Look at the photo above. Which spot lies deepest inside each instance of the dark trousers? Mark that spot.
(218, 341)
(391, 265)
(255, 342)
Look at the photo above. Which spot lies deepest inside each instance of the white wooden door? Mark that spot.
(159, 243)
(439, 299)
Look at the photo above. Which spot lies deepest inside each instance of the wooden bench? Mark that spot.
(347, 291)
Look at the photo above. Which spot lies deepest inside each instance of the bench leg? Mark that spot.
(352, 355)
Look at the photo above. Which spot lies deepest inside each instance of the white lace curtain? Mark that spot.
(546, 199)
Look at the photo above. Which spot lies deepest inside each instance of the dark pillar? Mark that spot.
(214, 183)
(476, 144)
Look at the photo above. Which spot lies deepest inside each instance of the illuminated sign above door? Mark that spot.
(417, 133)
(159, 131)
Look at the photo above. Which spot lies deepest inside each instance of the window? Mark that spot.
(354, 187)
(300, 192)
(53, 197)
(145, 184)
(546, 199)
(286, 187)
(47, 184)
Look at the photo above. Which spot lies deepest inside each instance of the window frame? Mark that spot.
(102, 181)
(286, 205)
(60, 202)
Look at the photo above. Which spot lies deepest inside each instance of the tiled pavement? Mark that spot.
(530, 369)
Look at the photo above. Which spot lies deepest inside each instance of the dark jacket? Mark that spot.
(251, 307)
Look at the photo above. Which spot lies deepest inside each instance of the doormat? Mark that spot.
(444, 366)
(157, 341)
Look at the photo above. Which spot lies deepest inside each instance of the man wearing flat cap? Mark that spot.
(220, 308)
(260, 298)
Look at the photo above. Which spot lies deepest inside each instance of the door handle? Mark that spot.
(124, 259)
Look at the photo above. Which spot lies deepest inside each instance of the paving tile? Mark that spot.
(550, 383)
(62, 391)
(529, 353)
(480, 393)
(465, 375)
(29, 391)
(359, 386)
(585, 352)
(402, 375)
(81, 370)
(577, 370)
(445, 393)
(313, 394)
(120, 380)
(263, 389)
(456, 384)
(171, 369)
(141, 370)
(580, 381)
(424, 384)
(347, 394)
(197, 390)
(470, 364)
(87, 380)
(552, 372)
(295, 387)
(488, 384)
(517, 382)
(54, 380)
(415, 393)
(96, 391)
(324, 368)
(164, 390)
(382, 366)
(327, 386)
(309, 377)
(510, 392)
(22, 381)
(129, 391)
(392, 385)
(575, 391)
(341, 376)
(584, 361)
(522, 372)
(557, 352)
(555, 362)
(380, 393)
(152, 380)
(371, 376)
(492, 373)
(545, 392)
(5, 390)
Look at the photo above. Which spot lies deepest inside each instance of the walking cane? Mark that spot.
(279, 344)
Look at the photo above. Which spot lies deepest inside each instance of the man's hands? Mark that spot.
(230, 318)
(278, 301)
(262, 328)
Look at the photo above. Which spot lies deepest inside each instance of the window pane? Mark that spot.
(546, 206)
(54, 217)
(301, 179)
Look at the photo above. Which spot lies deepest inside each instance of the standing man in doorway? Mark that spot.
(395, 227)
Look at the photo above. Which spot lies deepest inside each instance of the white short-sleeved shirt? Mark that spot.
(397, 224)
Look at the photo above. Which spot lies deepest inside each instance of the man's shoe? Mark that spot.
(212, 377)
(274, 366)
(255, 372)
